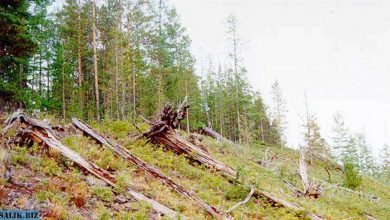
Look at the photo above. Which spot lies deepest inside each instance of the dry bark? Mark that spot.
(156, 173)
(39, 133)
(210, 132)
(196, 139)
(310, 189)
(242, 202)
(163, 132)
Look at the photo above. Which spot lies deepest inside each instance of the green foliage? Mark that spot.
(103, 193)
(20, 156)
(42, 196)
(64, 191)
(237, 192)
(142, 210)
(352, 178)
(50, 167)
(103, 213)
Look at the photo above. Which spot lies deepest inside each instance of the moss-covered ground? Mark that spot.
(63, 191)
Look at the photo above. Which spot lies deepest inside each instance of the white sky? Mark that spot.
(338, 52)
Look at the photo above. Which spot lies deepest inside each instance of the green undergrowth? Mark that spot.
(63, 188)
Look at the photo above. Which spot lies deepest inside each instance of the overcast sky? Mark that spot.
(338, 52)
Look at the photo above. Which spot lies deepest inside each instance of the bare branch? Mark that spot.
(248, 197)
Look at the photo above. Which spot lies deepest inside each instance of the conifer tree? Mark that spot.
(340, 137)
(385, 158)
(365, 158)
(278, 114)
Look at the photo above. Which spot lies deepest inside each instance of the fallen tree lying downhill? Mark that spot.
(196, 139)
(210, 132)
(42, 134)
(156, 173)
(163, 132)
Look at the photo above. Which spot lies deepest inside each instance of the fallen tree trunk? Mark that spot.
(181, 146)
(156, 173)
(372, 198)
(163, 132)
(210, 132)
(248, 197)
(196, 139)
(39, 133)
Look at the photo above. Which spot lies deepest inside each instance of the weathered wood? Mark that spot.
(196, 139)
(156, 173)
(162, 132)
(310, 189)
(248, 197)
(372, 198)
(210, 132)
(44, 137)
(181, 146)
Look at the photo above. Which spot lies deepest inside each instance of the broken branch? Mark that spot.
(39, 133)
(242, 202)
(156, 173)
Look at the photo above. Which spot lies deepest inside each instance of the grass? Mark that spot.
(65, 189)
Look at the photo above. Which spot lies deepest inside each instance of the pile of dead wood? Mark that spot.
(156, 173)
(161, 132)
(42, 133)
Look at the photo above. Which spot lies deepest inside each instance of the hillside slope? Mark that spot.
(52, 184)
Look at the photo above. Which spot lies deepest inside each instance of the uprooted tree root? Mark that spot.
(163, 132)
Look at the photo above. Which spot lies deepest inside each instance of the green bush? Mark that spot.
(103, 193)
(50, 167)
(352, 178)
(237, 192)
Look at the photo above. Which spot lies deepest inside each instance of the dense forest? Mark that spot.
(121, 59)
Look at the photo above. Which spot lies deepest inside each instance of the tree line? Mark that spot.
(119, 59)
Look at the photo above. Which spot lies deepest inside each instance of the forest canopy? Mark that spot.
(120, 59)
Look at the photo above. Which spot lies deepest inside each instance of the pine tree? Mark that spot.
(365, 159)
(351, 150)
(17, 46)
(96, 76)
(315, 144)
(279, 114)
(385, 158)
(232, 23)
(339, 138)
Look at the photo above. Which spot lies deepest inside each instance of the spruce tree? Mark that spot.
(340, 137)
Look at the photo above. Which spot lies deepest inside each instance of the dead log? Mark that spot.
(371, 198)
(181, 146)
(210, 132)
(42, 135)
(156, 173)
(242, 202)
(163, 132)
(196, 139)
(297, 192)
